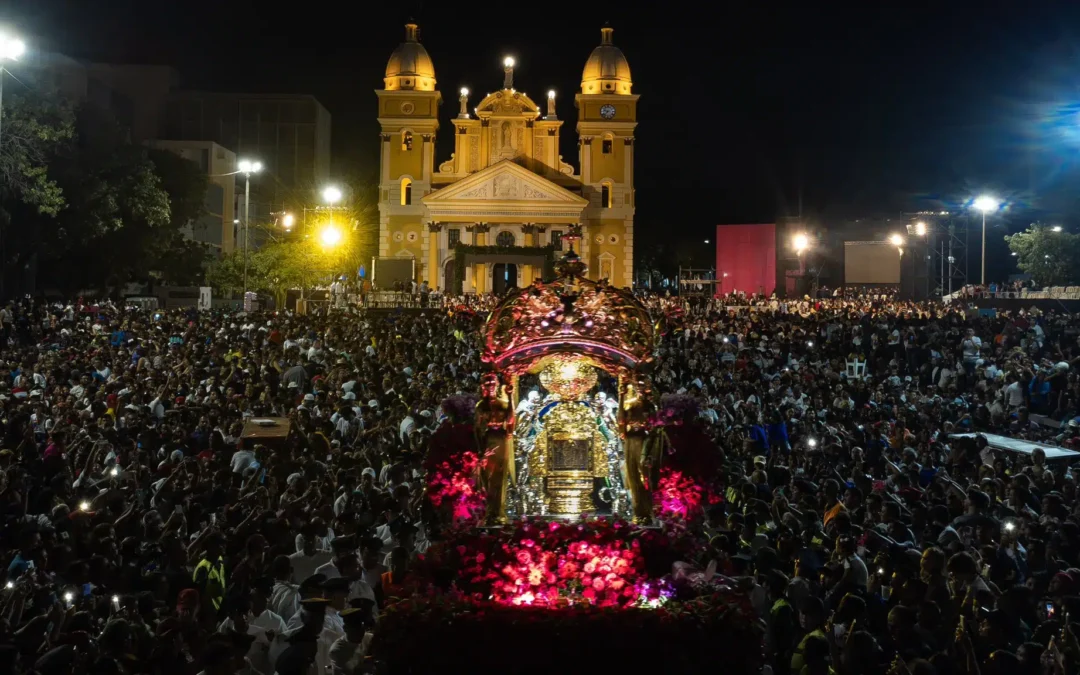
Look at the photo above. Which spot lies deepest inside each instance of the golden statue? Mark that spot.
(634, 425)
(494, 431)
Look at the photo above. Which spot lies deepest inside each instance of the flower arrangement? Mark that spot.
(452, 470)
(690, 476)
(677, 497)
(555, 564)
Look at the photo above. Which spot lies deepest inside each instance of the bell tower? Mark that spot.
(607, 117)
(409, 119)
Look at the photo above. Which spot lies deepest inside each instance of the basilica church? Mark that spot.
(506, 196)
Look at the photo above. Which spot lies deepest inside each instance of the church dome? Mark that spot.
(606, 71)
(410, 67)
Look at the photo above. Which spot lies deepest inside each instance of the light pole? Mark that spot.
(10, 50)
(985, 204)
(247, 167)
(331, 195)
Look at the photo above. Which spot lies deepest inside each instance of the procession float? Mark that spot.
(567, 503)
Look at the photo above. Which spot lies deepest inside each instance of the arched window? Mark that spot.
(406, 191)
(505, 239)
(605, 195)
(406, 141)
(607, 143)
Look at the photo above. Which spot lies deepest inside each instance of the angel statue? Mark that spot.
(495, 433)
(634, 426)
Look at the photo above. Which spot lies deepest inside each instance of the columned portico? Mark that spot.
(502, 209)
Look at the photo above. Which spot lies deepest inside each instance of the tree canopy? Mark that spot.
(85, 206)
(1051, 258)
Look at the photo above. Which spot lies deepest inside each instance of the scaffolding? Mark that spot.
(699, 282)
(946, 252)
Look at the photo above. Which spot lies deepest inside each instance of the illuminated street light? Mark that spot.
(287, 220)
(706, 241)
(920, 228)
(330, 236)
(11, 48)
(508, 62)
(896, 240)
(331, 195)
(247, 167)
(985, 204)
(1056, 228)
(800, 243)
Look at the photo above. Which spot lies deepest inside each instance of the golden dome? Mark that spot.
(410, 66)
(606, 71)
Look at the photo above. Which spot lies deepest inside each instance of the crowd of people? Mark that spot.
(141, 536)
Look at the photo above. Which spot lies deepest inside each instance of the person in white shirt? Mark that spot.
(371, 566)
(1014, 394)
(255, 618)
(345, 564)
(348, 652)
(305, 561)
(285, 596)
(244, 458)
(970, 347)
(408, 425)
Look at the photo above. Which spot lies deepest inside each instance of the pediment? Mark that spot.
(505, 182)
(507, 102)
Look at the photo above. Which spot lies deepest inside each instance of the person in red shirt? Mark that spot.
(397, 584)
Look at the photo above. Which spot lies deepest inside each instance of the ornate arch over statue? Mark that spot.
(578, 445)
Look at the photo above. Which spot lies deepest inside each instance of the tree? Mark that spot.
(301, 263)
(115, 208)
(1051, 258)
(35, 128)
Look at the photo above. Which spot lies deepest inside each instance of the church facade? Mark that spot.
(506, 192)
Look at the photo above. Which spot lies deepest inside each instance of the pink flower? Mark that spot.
(598, 584)
(480, 557)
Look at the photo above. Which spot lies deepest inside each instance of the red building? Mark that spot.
(746, 258)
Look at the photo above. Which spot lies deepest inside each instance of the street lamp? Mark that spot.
(920, 229)
(897, 241)
(1056, 228)
(800, 243)
(247, 167)
(331, 195)
(985, 204)
(330, 236)
(287, 220)
(11, 48)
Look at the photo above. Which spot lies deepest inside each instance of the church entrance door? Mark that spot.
(503, 277)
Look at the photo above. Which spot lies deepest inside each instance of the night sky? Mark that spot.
(746, 113)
